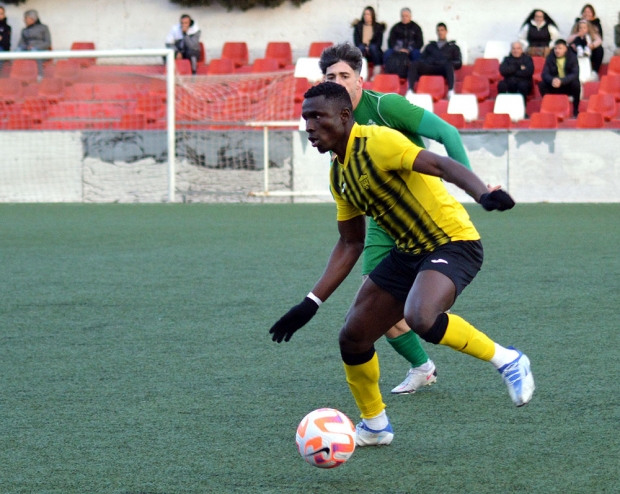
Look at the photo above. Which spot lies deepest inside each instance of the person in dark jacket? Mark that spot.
(517, 70)
(5, 34)
(538, 33)
(441, 57)
(560, 74)
(368, 37)
(35, 36)
(405, 37)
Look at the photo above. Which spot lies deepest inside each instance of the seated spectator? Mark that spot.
(35, 36)
(5, 34)
(405, 37)
(560, 74)
(617, 36)
(583, 40)
(588, 14)
(538, 33)
(368, 37)
(517, 70)
(184, 38)
(441, 57)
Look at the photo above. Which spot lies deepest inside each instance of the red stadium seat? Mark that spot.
(116, 91)
(67, 70)
(487, 67)
(19, 122)
(52, 90)
(132, 122)
(605, 104)
(557, 104)
(202, 58)
(220, 66)
(485, 107)
(435, 85)
(35, 107)
(301, 86)
(440, 106)
(465, 70)
(237, 51)
(613, 68)
(281, 51)
(610, 84)
(317, 47)
(11, 90)
(386, 83)
(478, 85)
(539, 63)
(590, 88)
(590, 120)
(455, 119)
(25, 71)
(84, 45)
(183, 66)
(151, 106)
(262, 65)
(541, 120)
(497, 121)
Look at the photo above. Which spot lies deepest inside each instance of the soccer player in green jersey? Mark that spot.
(342, 64)
(376, 171)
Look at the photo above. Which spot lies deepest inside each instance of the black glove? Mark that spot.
(498, 199)
(294, 319)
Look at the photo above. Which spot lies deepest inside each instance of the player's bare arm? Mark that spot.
(345, 254)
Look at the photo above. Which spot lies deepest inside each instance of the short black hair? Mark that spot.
(331, 91)
(560, 42)
(342, 52)
(441, 24)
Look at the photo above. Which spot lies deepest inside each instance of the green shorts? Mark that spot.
(377, 245)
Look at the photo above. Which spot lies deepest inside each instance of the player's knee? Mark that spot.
(353, 342)
(420, 321)
(435, 333)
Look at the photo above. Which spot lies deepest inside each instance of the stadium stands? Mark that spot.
(75, 95)
(317, 47)
(540, 120)
(590, 120)
(455, 119)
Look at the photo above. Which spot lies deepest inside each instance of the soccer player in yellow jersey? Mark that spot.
(378, 172)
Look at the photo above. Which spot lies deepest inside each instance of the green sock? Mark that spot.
(408, 345)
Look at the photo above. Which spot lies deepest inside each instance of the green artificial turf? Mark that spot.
(135, 355)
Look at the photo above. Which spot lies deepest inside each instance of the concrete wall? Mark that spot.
(535, 166)
(113, 24)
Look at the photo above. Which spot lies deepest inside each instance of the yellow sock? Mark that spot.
(463, 337)
(363, 382)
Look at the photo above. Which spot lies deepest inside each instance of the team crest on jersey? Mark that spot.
(343, 187)
(364, 182)
(371, 122)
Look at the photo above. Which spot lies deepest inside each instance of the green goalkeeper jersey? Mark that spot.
(394, 111)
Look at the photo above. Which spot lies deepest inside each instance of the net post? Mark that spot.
(170, 131)
(266, 157)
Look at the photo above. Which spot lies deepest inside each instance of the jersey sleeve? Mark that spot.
(344, 210)
(392, 151)
(437, 129)
(399, 114)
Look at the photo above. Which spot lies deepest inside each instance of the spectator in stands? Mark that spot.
(595, 31)
(617, 36)
(184, 38)
(517, 70)
(560, 74)
(368, 37)
(538, 33)
(405, 37)
(5, 34)
(441, 57)
(35, 36)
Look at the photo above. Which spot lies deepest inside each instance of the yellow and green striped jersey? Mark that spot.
(377, 179)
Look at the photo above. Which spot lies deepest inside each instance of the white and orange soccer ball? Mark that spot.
(326, 438)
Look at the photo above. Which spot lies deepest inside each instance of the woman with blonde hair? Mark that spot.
(584, 39)
(589, 14)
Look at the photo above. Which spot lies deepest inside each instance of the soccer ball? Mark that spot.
(326, 438)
